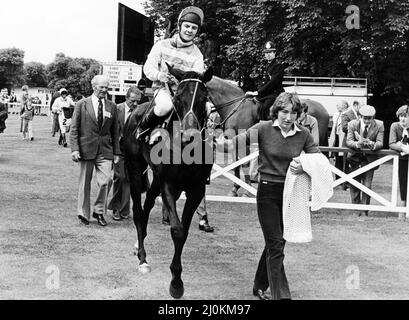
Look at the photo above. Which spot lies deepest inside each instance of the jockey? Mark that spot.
(272, 84)
(61, 107)
(179, 52)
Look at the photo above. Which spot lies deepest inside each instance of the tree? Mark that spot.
(74, 74)
(35, 74)
(11, 67)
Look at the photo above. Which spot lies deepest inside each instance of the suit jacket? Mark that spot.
(346, 117)
(375, 134)
(396, 136)
(121, 123)
(85, 135)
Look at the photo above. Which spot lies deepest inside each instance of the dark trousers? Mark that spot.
(358, 196)
(270, 271)
(121, 195)
(403, 178)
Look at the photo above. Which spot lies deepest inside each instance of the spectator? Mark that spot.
(399, 141)
(3, 109)
(55, 125)
(363, 133)
(142, 88)
(27, 114)
(310, 123)
(337, 135)
(120, 202)
(94, 144)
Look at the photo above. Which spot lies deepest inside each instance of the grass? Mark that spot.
(39, 232)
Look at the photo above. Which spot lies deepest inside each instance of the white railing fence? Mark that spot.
(384, 204)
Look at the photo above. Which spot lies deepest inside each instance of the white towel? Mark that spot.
(315, 182)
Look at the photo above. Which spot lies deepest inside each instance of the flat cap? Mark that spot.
(367, 111)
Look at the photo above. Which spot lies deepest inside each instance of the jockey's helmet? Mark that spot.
(269, 47)
(191, 14)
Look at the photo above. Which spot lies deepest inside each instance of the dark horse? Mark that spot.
(236, 113)
(178, 164)
(240, 113)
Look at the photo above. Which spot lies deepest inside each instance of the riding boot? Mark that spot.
(60, 140)
(149, 121)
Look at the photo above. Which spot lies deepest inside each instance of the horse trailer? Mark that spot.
(328, 91)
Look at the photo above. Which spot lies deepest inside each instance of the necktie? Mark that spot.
(127, 114)
(365, 132)
(100, 113)
(405, 135)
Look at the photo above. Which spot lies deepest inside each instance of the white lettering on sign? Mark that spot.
(122, 75)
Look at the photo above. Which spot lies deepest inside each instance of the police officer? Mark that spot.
(272, 83)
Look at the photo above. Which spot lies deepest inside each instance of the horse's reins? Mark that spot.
(218, 107)
(201, 128)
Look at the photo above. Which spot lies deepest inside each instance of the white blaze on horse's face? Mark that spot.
(286, 117)
(191, 108)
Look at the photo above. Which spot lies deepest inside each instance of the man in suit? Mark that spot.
(120, 202)
(347, 116)
(336, 138)
(363, 133)
(94, 144)
(272, 83)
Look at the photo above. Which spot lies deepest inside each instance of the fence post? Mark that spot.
(407, 195)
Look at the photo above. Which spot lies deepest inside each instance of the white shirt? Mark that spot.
(95, 101)
(289, 133)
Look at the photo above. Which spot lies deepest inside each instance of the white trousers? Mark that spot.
(64, 123)
(163, 102)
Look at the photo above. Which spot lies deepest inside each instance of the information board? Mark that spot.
(122, 75)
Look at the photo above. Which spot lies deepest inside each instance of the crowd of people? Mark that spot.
(95, 125)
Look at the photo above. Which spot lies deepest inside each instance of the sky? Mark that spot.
(77, 28)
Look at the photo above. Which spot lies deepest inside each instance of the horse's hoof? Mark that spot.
(176, 293)
(144, 268)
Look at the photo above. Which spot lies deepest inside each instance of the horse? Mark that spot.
(173, 170)
(236, 113)
(318, 111)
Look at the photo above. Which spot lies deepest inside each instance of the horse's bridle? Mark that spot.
(198, 81)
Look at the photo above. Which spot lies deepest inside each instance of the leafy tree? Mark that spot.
(11, 67)
(35, 73)
(311, 36)
(74, 74)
